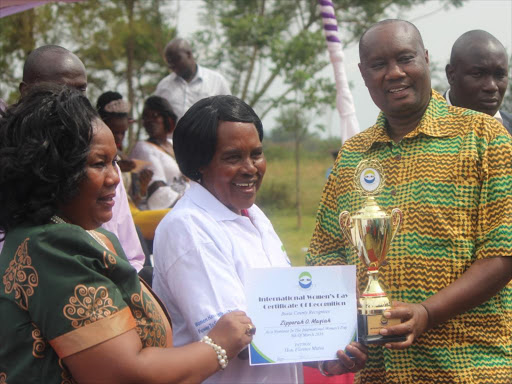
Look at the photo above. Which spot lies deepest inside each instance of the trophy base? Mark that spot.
(368, 327)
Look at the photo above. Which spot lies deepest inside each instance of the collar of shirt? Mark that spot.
(204, 199)
(497, 116)
(198, 77)
(430, 125)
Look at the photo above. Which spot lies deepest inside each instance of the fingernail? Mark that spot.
(387, 314)
(383, 331)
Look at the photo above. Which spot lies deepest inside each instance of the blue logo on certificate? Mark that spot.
(305, 280)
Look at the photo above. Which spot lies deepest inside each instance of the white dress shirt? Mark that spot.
(182, 94)
(202, 254)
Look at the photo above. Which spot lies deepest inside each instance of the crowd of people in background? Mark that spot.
(90, 229)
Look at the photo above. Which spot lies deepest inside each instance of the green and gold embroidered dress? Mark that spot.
(452, 178)
(62, 292)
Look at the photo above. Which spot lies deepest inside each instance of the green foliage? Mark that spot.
(274, 195)
(119, 41)
(273, 51)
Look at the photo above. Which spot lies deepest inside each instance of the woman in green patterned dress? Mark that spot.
(72, 309)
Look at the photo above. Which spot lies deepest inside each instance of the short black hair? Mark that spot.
(195, 137)
(44, 143)
(162, 106)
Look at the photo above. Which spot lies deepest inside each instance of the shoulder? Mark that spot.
(141, 147)
(50, 242)
(187, 225)
(507, 120)
(212, 73)
(165, 82)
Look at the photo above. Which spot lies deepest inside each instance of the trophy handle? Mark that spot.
(345, 227)
(396, 220)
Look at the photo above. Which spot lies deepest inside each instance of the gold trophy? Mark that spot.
(370, 232)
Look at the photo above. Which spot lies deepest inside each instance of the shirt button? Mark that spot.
(393, 192)
(398, 157)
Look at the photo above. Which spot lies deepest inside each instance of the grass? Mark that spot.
(277, 196)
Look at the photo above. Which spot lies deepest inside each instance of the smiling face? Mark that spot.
(394, 66)
(236, 170)
(479, 76)
(93, 204)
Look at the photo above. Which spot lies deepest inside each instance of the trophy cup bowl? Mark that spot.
(370, 232)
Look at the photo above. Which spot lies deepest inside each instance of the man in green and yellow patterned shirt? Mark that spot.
(448, 269)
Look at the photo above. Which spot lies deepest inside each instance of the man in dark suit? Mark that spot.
(478, 75)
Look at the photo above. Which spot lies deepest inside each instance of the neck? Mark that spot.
(189, 76)
(158, 140)
(399, 126)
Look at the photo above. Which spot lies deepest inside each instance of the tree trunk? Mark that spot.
(130, 53)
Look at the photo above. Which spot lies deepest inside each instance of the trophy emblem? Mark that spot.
(370, 232)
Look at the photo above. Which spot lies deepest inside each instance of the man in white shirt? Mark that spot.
(189, 82)
(478, 75)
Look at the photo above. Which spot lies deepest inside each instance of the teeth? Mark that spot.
(244, 184)
(396, 90)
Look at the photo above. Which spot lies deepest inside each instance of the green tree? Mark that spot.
(121, 47)
(119, 41)
(273, 49)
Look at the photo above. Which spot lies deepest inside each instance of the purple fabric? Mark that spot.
(333, 39)
(7, 9)
(326, 15)
(330, 27)
(326, 3)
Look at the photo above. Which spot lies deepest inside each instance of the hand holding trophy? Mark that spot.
(370, 232)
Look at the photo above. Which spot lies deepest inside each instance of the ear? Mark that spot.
(22, 87)
(427, 59)
(450, 73)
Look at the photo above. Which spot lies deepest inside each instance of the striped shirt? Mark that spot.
(452, 178)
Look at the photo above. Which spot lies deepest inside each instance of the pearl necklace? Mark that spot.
(57, 220)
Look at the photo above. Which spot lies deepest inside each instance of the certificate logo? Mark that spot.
(305, 280)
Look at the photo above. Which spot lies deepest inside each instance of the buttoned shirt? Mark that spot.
(203, 252)
(452, 178)
(182, 94)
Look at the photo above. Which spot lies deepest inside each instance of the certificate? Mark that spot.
(301, 313)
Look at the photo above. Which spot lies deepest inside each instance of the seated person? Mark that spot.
(114, 111)
(167, 184)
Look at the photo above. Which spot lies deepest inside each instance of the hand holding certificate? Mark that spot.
(302, 314)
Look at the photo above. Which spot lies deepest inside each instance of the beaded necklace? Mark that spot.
(57, 220)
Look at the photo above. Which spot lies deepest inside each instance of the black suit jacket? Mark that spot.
(507, 120)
